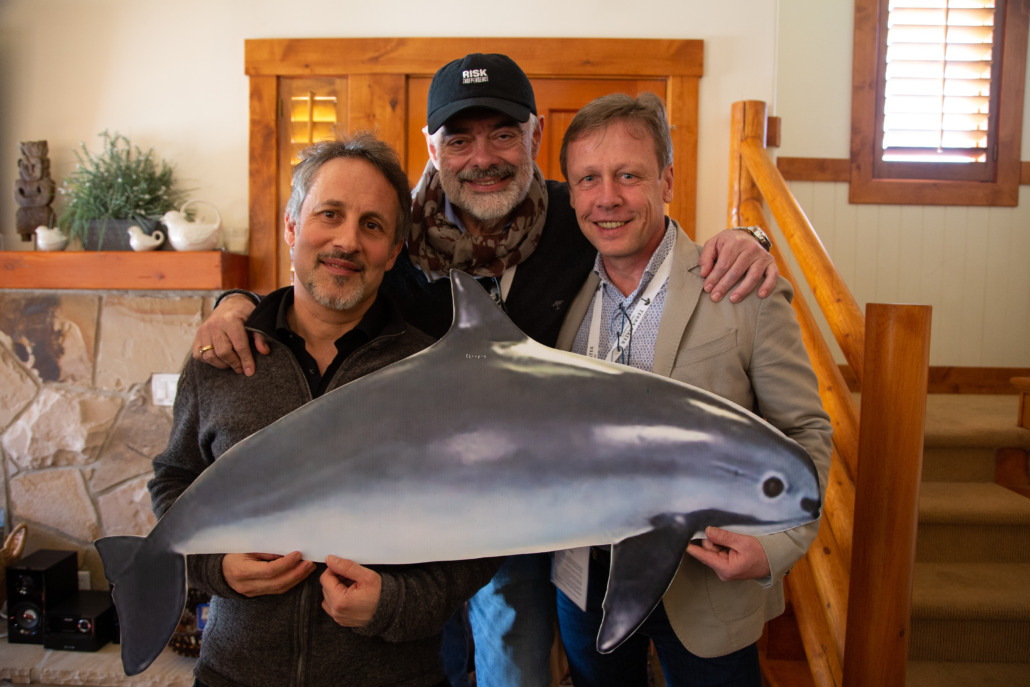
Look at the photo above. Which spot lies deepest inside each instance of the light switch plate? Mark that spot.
(162, 388)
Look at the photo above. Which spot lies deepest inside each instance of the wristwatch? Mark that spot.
(759, 235)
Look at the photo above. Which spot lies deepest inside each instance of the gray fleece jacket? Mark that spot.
(287, 639)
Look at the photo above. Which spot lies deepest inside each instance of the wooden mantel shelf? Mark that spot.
(170, 270)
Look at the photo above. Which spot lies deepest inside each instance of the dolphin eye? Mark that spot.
(772, 487)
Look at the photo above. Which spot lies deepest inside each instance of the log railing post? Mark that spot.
(747, 120)
(892, 419)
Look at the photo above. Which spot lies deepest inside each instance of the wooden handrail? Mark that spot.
(824, 659)
(754, 176)
(833, 389)
(847, 644)
(831, 293)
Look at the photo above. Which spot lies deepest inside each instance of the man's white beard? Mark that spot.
(488, 206)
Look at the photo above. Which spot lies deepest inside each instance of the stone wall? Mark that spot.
(78, 430)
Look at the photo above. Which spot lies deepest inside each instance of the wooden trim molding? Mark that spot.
(423, 56)
(839, 169)
(814, 168)
(961, 380)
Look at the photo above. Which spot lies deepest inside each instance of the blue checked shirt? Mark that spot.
(640, 350)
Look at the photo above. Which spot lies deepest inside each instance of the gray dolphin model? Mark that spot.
(485, 444)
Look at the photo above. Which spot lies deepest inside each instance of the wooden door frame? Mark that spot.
(377, 70)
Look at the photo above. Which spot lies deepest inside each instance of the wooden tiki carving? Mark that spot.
(34, 189)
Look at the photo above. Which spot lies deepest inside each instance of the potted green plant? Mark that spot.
(117, 187)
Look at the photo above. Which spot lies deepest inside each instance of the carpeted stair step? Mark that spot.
(973, 421)
(958, 464)
(971, 612)
(972, 522)
(951, 674)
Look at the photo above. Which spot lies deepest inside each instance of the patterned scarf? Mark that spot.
(436, 245)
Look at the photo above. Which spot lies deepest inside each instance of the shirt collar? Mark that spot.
(452, 215)
(272, 318)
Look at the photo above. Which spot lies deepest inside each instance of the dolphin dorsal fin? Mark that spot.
(475, 310)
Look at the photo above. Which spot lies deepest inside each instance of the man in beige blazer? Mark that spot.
(643, 306)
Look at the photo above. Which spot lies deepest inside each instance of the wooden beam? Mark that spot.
(839, 169)
(537, 57)
(265, 240)
(961, 380)
(814, 169)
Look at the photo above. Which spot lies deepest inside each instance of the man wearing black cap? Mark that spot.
(483, 206)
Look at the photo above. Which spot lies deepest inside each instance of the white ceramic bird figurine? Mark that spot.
(50, 238)
(142, 241)
(193, 235)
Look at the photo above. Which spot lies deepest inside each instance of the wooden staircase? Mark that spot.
(971, 588)
(896, 589)
(970, 622)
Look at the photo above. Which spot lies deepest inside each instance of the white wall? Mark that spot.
(970, 264)
(170, 74)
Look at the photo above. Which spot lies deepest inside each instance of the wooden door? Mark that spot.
(381, 84)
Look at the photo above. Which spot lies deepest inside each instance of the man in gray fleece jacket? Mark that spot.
(273, 622)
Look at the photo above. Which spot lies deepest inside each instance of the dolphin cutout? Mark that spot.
(484, 444)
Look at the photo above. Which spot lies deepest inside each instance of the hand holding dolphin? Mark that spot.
(351, 592)
(732, 556)
(258, 574)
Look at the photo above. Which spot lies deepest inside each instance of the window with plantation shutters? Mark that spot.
(937, 98)
(311, 109)
(937, 101)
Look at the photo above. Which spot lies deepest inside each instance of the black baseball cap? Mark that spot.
(478, 80)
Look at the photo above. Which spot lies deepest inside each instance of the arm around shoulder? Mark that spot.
(223, 341)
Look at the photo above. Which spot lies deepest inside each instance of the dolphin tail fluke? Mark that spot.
(149, 587)
(642, 571)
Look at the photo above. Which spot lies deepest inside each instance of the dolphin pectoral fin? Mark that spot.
(149, 588)
(642, 570)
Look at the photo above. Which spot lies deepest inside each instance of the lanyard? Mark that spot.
(637, 314)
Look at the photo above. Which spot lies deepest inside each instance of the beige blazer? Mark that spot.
(750, 353)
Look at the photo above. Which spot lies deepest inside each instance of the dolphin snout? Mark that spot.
(810, 506)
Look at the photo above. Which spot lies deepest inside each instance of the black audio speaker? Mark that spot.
(83, 621)
(33, 583)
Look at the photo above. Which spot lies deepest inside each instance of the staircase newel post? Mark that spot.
(747, 120)
(893, 416)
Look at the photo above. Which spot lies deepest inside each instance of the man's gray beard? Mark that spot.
(341, 302)
(492, 205)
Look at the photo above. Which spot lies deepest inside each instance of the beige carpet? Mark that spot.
(971, 420)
